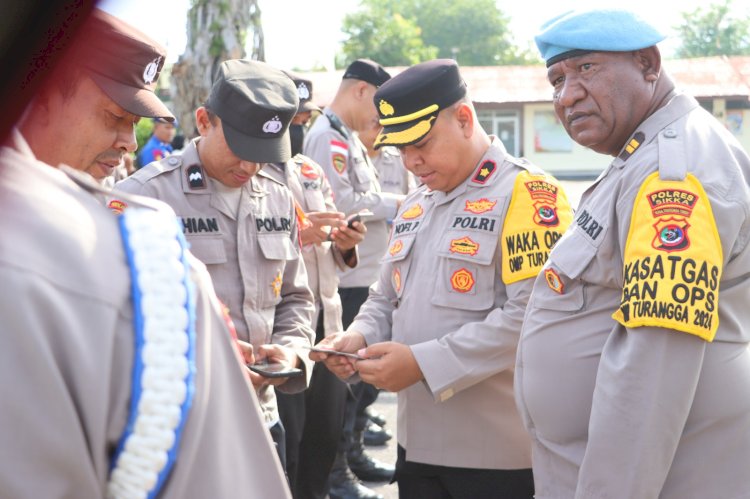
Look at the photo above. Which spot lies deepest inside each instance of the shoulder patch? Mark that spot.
(484, 172)
(538, 215)
(195, 177)
(673, 259)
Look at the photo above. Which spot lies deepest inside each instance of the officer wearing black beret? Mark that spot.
(450, 353)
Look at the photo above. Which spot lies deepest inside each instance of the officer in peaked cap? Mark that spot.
(635, 400)
(89, 297)
(332, 142)
(242, 223)
(409, 106)
(451, 357)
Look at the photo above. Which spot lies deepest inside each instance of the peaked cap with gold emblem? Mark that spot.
(408, 103)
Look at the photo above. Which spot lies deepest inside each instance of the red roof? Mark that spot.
(702, 77)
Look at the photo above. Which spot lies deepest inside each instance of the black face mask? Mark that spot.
(297, 136)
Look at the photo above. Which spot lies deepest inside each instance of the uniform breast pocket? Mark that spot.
(399, 250)
(209, 250)
(565, 288)
(277, 250)
(466, 275)
(361, 176)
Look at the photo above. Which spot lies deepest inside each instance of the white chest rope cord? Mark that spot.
(164, 364)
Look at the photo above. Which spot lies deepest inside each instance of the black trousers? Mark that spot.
(362, 394)
(313, 421)
(418, 481)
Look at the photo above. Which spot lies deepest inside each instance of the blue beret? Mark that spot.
(580, 31)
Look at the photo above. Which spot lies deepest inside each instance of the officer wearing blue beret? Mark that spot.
(633, 369)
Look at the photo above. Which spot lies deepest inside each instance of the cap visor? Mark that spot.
(405, 134)
(139, 101)
(308, 106)
(255, 150)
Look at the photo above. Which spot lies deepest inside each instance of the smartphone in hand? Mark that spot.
(275, 370)
(336, 352)
(358, 217)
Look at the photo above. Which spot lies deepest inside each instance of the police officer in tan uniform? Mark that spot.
(313, 419)
(240, 222)
(332, 142)
(114, 385)
(474, 235)
(633, 370)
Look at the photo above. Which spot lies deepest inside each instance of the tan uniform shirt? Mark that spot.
(312, 192)
(253, 257)
(66, 355)
(355, 186)
(643, 412)
(441, 292)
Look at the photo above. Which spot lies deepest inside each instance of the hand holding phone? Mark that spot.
(358, 217)
(274, 370)
(330, 351)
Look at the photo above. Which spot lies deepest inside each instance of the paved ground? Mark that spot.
(386, 402)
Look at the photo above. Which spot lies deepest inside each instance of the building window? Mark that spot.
(549, 134)
(505, 125)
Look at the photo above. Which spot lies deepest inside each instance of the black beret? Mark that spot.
(367, 70)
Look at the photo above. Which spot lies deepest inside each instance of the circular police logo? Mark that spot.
(303, 91)
(671, 234)
(152, 69)
(273, 125)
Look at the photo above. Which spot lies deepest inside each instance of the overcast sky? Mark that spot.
(305, 33)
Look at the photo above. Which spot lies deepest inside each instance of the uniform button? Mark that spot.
(173, 161)
(670, 133)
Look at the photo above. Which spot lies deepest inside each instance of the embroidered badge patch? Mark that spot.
(151, 71)
(276, 285)
(479, 206)
(673, 260)
(544, 196)
(413, 212)
(538, 215)
(396, 247)
(397, 280)
(464, 246)
(553, 281)
(273, 126)
(308, 171)
(195, 177)
(462, 281)
(117, 206)
(339, 154)
(484, 172)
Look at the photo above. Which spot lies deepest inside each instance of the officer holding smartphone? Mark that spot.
(242, 223)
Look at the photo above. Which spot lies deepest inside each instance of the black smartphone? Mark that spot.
(275, 370)
(358, 217)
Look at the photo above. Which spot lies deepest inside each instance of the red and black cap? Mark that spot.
(409, 103)
(124, 62)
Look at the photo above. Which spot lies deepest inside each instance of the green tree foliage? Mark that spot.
(404, 32)
(713, 30)
(386, 37)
